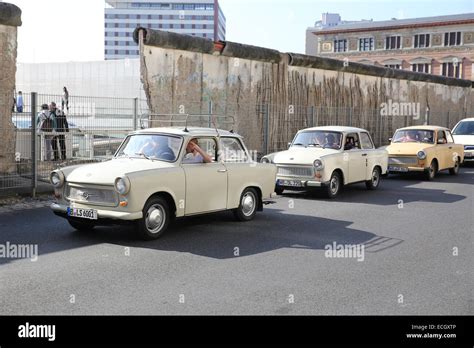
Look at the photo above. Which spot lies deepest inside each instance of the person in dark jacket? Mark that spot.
(62, 127)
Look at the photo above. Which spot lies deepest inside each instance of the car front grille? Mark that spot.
(403, 160)
(296, 171)
(91, 195)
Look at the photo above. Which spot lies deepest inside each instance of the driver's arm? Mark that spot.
(205, 156)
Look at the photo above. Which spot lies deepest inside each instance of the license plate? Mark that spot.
(290, 183)
(468, 154)
(90, 214)
(397, 169)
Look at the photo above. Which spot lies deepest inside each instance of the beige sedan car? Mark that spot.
(162, 173)
(424, 149)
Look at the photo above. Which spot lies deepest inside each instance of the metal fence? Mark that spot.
(270, 127)
(97, 126)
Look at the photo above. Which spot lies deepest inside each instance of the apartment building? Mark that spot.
(442, 45)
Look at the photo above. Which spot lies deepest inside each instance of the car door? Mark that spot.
(452, 150)
(240, 171)
(372, 155)
(357, 158)
(442, 150)
(206, 183)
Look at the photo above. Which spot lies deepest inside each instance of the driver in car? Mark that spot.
(194, 154)
(157, 147)
(332, 142)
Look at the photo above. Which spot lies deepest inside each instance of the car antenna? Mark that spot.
(214, 124)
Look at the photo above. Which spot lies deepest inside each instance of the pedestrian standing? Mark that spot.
(65, 99)
(19, 102)
(54, 140)
(62, 128)
(45, 125)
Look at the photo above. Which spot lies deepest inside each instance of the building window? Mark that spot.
(340, 45)
(366, 44)
(423, 68)
(452, 39)
(451, 70)
(392, 42)
(422, 41)
(393, 66)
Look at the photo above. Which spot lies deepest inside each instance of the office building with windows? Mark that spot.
(201, 18)
(442, 45)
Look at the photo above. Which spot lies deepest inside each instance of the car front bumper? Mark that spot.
(468, 156)
(302, 183)
(102, 214)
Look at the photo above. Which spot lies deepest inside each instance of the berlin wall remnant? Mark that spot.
(295, 91)
(10, 19)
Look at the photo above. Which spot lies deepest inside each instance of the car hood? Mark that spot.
(407, 148)
(464, 139)
(302, 155)
(105, 173)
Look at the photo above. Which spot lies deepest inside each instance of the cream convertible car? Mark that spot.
(159, 174)
(329, 157)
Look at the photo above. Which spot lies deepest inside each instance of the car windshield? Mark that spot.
(464, 128)
(151, 146)
(414, 136)
(324, 139)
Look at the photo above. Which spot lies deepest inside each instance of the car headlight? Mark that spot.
(421, 155)
(122, 185)
(57, 178)
(318, 164)
(264, 160)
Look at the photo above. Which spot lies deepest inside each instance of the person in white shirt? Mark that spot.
(194, 154)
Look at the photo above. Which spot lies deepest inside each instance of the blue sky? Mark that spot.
(71, 30)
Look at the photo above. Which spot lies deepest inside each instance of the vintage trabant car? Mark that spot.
(158, 174)
(424, 149)
(329, 158)
(463, 133)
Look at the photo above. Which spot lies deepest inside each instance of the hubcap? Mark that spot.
(375, 177)
(155, 218)
(248, 204)
(334, 184)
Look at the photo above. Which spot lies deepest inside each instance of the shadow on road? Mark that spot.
(395, 188)
(215, 235)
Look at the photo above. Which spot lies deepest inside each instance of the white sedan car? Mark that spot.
(329, 157)
(162, 173)
(463, 133)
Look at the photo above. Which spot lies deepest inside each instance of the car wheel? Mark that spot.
(455, 169)
(156, 218)
(248, 205)
(432, 170)
(81, 225)
(334, 185)
(374, 181)
(279, 190)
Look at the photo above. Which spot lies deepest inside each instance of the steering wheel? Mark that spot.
(167, 155)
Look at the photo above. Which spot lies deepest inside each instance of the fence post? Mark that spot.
(350, 117)
(135, 113)
(312, 115)
(34, 164)
(265, 129)
(209, 111)
(380, 122)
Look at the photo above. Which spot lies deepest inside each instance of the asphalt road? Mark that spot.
(418, 258)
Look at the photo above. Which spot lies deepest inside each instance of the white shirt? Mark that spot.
(192, 158)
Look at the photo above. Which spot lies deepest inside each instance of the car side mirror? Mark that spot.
(289, 145)
(390, 139)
